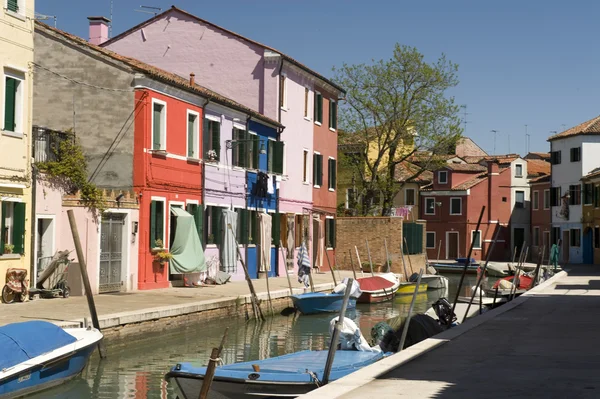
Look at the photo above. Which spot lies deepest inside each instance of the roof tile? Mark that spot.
(588, 127)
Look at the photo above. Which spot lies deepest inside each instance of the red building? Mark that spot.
(452, 205)
(541, 217)
(324, 174)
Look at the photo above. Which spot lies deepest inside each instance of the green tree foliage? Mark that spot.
(394, 109)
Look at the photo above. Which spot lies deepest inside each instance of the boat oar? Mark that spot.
(359, 263)
(352, 263)
(467, 261)
(410, 310)
(336, 334)
(210, 370)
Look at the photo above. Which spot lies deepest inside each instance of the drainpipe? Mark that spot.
(279, 131)
(203, 191)
(33, 274)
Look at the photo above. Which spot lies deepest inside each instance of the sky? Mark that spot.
(525, 66)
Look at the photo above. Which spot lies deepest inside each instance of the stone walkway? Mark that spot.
(123, 308)
(544, 346)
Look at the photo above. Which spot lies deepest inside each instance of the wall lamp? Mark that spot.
(229, 144)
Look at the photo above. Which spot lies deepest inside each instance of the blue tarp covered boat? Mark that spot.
(282, 376)
(36, 355)
(320, 302)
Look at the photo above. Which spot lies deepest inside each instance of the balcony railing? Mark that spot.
(47, 142)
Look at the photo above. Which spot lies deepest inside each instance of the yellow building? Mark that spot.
(16, 58)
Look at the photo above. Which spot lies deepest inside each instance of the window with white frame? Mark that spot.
(211, 138)
(332, 173)
(12, 220)
(318, 108)
(159, 125)
(14, 84)
(518, 170)
(157, 223)
(443, 177)
(283, 92)
(546, 199)
(430, 240)
(536, 200)
(305, 166)
(332, 115)
(193, 135)
(519, 199)
(476, 239)
(15, 6)
(317, 169)
(306, 99)
(456, 206)
(429, 206)
(409, 196)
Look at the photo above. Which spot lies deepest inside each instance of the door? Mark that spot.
(111, 252)
(588, 247)
(518, 240)
(565, 247)
(44, 243)
(452, 245)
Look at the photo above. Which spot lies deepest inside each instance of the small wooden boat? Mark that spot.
(457, 266)
(524, 282)
(434, 281)
(408, 288)
(36, 355)
(320, 302)
(379, 288)
(282, 376)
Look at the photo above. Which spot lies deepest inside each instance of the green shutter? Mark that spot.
(333, 227)
(160, 220)
(190, 137)
(3, 226)
(330, 234)
(156, 126)
(334, 115)
(242, 149)
(152, 223)
(413, 232)
(197, 211)
(275, 228)
(205, 137)
(277, 156)
(331, 113)
(216, 137)
(217, 225)
(320, 108)
(332, 173)
(315, 169)
(10, 98)
(18, 235)
(315, 108)
(13, 5)
(320, 176)
(243, 227)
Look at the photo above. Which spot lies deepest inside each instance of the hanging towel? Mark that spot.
(270, 185)
(303, 265)
(317, 249)
(264, 259)
(228, 249)
(291, 244)
(321, 253)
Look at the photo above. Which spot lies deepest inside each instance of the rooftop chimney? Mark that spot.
(192, 79)
(98, 29)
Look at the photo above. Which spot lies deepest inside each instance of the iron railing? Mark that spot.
(46, 143)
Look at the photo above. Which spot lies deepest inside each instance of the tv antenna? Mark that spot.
(147, 8)
(464, 119)
(43, 17)
(527, 136)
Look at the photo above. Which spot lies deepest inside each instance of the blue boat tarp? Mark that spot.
(295, 367)
(20, 342)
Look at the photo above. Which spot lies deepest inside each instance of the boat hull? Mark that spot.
(379, 288)
(434, 281)
(409, 288)
(454, 268)
(318, 302)
(41, 377)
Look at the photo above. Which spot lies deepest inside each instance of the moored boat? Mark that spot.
(321, 302)
(408, 288)
(36, 355)
(434, 281)
(379, 288)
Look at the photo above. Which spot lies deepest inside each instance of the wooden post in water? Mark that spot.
(264, 261)
(387, 256)
(370, 260)
(410, 310)
(86, 280)
(408, 257)
(210, 370)
(352, 264)
(439, 249)
(330, 268)
(335, 266)
(537, 268)
(287, 274)
(467, 261)
(253, 298)
(403, 262)
(359, 263)
(336, 334)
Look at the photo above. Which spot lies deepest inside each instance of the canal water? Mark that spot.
(135, 366)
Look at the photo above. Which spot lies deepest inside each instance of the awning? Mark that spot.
(188, 256)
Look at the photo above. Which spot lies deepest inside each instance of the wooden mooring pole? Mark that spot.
(330, 268)
(212, 365)
(287, 273)
(352, 264)
(86, 280)
(410, 310)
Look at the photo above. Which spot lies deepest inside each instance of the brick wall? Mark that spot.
(467, 147)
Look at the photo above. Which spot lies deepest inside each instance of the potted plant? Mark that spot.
(211, 156)
(8, 248)
(161, 255)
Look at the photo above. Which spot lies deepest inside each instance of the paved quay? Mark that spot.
(543, 344)
(121, 309)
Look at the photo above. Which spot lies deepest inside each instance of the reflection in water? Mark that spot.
(136, 365)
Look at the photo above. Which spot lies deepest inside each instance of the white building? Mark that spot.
(574, 153)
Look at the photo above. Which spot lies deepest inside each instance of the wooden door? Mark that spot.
(452, 245)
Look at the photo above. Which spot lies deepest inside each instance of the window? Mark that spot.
(588, 194)
(299, 230)
(443, 177)
(555, 235)
(192, 135)
(317, 169)
(159, 125)
(555, 196)
(211, 138)
(596, 196)
(214, 225)
(409, 196)
(330, 232)
(270, 151)
(275, 156)
(546, 236)
(305, 166)
(350, 198)
(12, 220)
(282, 91)
(318, 117)
(430, 240)
(252, 147)
(596, 237)
(555, 157)
(332, 173)
(239, 151)
(575, 154)
(197, 211)
(519, 199)
(476, 239)
(575, 235)
(306, 95)
(546, 199)
(12, 5)
(332, 115)
(456, 206)
(429, 206)
(575, 194)
(13, 103)
(157, 222)
(536, 200)
(536, 236)
(518, 170)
